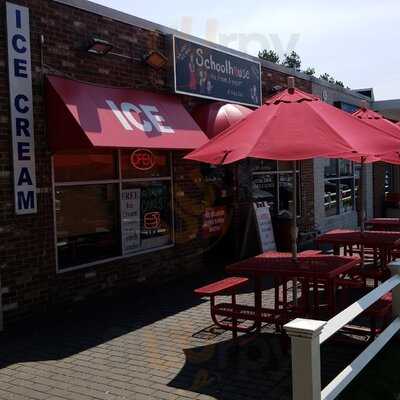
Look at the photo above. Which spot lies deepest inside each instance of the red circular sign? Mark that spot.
(143, 159)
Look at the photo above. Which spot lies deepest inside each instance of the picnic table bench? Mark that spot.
(384, 224)
(231, 311)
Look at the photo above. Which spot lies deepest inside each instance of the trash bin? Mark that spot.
(282, 227)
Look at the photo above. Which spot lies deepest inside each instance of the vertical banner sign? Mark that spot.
(21, 106)
(264, 224)
(130, 220)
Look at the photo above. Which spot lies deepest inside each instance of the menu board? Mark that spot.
(130, 220)
(264, 225)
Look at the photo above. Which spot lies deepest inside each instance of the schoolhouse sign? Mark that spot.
(21, 106)
(204, 71)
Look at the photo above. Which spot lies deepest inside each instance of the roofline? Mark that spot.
(129, 19)
(386, 104)
(368, 88)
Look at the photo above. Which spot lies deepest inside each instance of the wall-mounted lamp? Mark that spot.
(155, 59)
(99, 46)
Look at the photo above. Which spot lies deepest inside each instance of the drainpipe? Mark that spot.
(1, 308)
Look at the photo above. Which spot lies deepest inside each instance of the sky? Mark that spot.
(357, 42)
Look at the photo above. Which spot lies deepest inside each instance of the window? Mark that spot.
(341, 186)
(111, 204)
(151, 225)
(87, 223)
(273, 181)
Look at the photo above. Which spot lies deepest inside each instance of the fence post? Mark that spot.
(306, 360)
(395, 270)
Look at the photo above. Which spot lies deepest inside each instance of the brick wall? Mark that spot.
(27, 254)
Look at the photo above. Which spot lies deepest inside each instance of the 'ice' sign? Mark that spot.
(20, 80)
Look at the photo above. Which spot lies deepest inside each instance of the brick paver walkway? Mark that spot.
(142, 347)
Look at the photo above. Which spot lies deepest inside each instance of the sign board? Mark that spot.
(213, 221)
(21, 106)
(142, 159)
(204, 71)
(130, 220)
(264, 225)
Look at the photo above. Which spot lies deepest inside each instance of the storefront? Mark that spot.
(97, 110)
(112, 162)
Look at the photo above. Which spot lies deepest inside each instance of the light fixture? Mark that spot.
(99, 46)
(156, 59)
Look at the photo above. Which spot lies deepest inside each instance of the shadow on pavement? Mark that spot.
(81, 326)
(255, 366)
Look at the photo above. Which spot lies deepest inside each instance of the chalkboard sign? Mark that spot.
(264, 225)
(204, 71)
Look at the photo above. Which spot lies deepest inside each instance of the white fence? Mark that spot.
(307, 336)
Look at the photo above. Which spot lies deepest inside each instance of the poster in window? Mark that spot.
(130, 220)
(264, 225)
(213, 221)
(156, 216)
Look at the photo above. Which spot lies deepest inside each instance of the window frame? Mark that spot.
(337, 179)
(119, 181)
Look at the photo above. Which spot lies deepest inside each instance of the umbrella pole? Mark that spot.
(361, 189)
(362, 205)
(294, 212)
(294, 229)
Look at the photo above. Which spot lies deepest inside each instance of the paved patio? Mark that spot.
(143, 347)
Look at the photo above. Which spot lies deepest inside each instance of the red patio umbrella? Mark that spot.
(294, 125)
(378, 121)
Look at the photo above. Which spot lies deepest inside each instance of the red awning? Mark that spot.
(215, 117)
(82, 115)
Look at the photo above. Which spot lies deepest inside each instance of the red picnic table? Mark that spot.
(384, 224)
(309, 268)
(382, 243)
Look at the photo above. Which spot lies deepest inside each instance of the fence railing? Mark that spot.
(307, 335)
